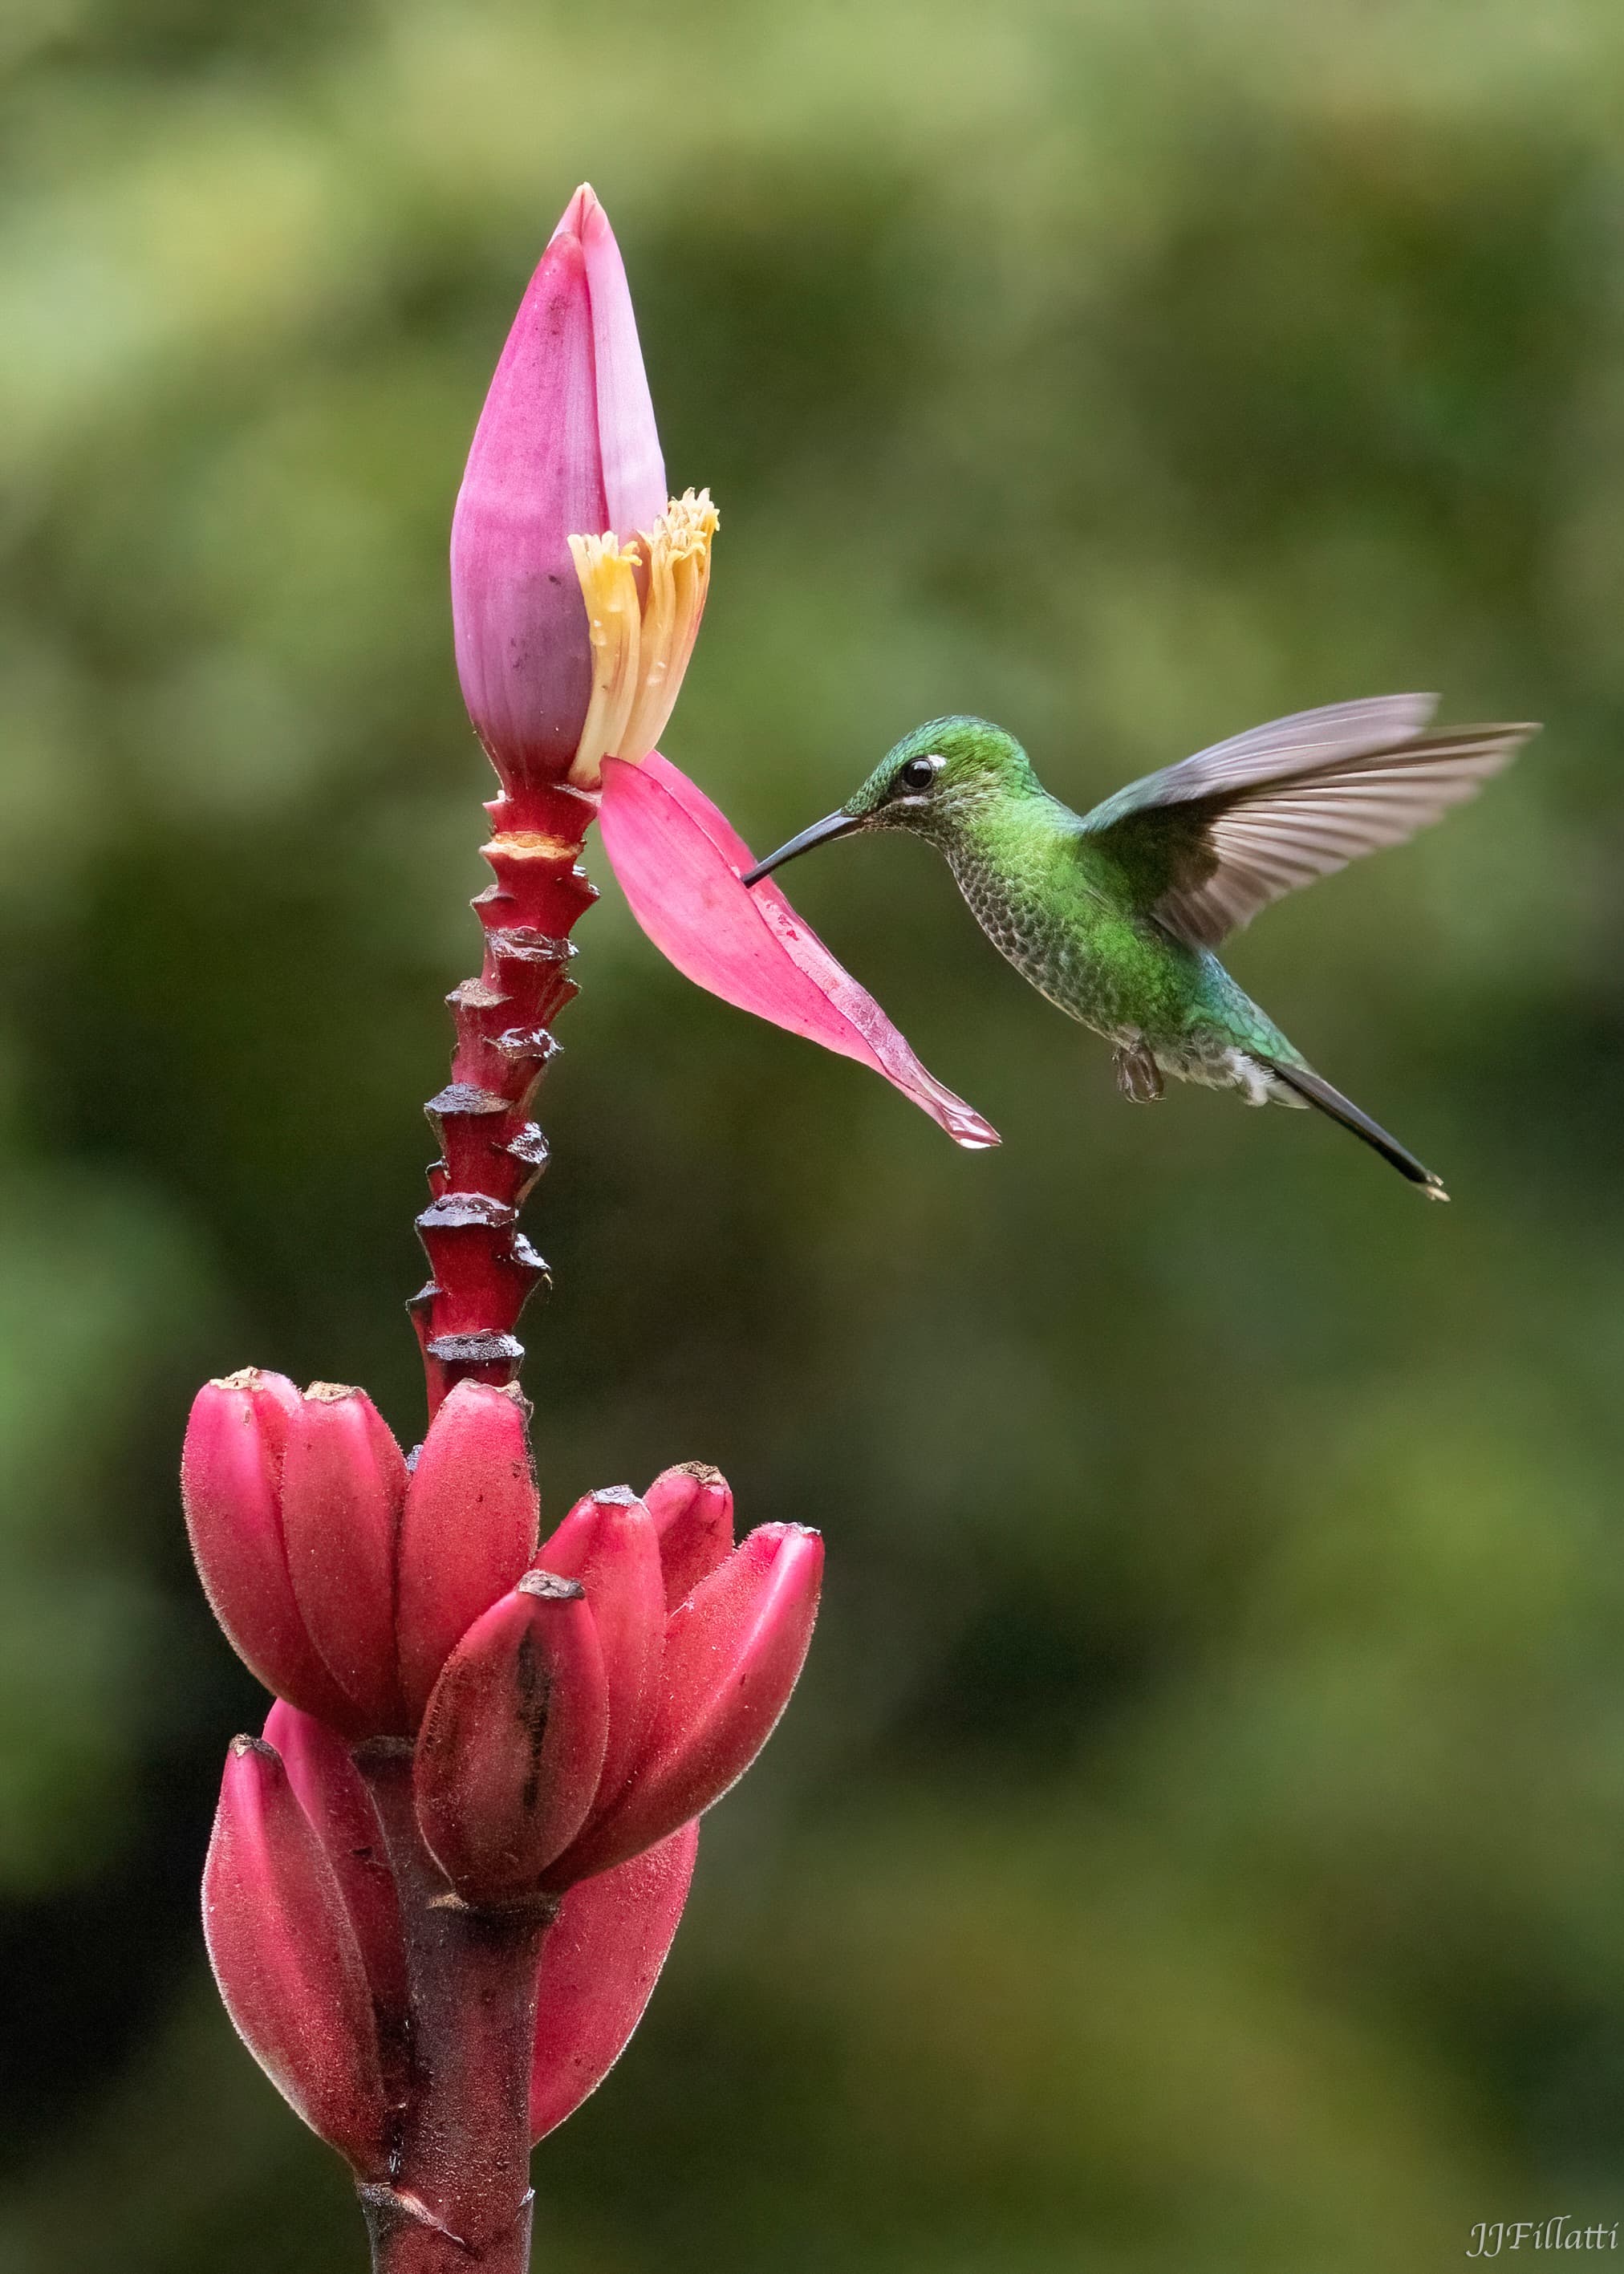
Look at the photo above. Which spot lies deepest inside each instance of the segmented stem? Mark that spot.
(483, 1268)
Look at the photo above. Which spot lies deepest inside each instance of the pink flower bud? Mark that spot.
(512, 1744)
(599, 1964)
(609, 1543)
(343, 1481)
(566, 445)
(467, 1530)
(693, 1512)
(285, 1959)
(733, 1652)
(333, 1793)
(231, 1488)
(678, 861)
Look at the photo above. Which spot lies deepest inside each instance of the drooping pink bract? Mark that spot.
(678, 860)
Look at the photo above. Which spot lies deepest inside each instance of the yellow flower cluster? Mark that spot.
(643, 603)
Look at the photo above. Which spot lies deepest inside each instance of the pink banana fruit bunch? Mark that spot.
(560, 1716)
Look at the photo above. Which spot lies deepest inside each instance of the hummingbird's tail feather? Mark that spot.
(1315, 1090)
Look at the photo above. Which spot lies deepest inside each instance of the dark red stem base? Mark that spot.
(459, 2193)
(491, 1153)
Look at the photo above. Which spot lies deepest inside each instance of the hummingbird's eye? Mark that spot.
(919, 773)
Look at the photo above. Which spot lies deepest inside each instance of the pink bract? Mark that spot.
(566, 445)
(678, 860)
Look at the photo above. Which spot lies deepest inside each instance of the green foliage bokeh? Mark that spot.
(1198, 1843)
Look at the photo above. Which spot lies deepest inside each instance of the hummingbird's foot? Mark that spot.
(1139, 1077)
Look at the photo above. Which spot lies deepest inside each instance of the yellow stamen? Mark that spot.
(640, 645)
(608, 578)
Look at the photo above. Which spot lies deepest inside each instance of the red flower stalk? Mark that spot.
(577, 587)
(441, 1886)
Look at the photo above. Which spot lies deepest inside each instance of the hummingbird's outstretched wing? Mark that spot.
(1205, 844)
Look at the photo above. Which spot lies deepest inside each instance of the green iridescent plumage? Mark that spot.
(1114, 914)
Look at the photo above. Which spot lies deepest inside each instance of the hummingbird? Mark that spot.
(1115, 915)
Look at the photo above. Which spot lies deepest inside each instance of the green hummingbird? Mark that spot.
(1115, 915)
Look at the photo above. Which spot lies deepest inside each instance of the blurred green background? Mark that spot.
(1198, 1843)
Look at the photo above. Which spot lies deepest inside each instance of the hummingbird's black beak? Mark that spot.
(833, 825)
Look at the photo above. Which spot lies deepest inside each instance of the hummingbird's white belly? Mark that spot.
(1229, 1068)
